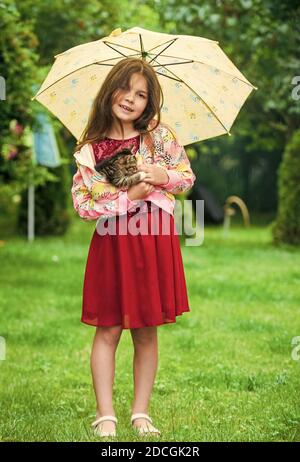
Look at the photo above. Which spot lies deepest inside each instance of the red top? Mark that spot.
(108, 146)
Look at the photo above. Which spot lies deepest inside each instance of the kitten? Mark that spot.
(121, 169)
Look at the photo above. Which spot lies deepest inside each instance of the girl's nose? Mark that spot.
(129, 97)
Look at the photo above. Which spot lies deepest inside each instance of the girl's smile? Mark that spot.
(128, 111)
(126, 108)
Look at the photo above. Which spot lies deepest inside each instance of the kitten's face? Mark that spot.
(121, 169)
(135, 97)
(130, 163)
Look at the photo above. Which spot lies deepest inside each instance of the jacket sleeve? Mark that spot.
(94, 197)
(176, 164)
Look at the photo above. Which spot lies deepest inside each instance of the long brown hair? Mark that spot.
(101, 116)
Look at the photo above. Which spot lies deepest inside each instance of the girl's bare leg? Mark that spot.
(103, 371)
(144, 367)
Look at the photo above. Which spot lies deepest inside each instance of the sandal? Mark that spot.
(96, 423)
(141, 430)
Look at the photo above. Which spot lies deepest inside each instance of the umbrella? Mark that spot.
(203, 90)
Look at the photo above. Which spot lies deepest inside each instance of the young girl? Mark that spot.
(132, 281)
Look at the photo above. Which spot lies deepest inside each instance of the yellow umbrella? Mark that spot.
(203, 90)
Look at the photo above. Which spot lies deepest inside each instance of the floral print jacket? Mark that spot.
(95, 198)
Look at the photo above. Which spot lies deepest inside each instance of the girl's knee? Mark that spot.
(109, 334)
(144, 334)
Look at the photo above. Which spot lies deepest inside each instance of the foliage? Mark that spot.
(287, 225)
(62, 24)
(18, 65)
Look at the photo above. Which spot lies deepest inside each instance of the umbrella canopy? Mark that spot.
(203, 90)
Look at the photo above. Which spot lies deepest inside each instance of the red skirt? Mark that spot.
(135, 280)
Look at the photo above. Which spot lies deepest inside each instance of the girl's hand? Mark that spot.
(140, 190)
(155, 175)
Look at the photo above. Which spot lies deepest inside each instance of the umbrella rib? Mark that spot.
(153, 65)
(204, 40)
(225, 72)
(108, 64)
(180, 80)
(142, 50)
(62, 78)
(206, 64)
(162, 43)
(142, 46)
(107, 44)
(174, 64)
(162, 50)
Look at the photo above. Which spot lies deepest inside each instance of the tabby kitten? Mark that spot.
(121, 169)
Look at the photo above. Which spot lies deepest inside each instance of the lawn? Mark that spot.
(225, 371)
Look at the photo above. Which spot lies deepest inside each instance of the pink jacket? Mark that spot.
(94, 197)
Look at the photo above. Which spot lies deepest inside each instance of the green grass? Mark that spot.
(225, 369)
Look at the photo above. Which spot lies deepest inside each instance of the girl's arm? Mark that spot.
(176, 164)
(94, 197)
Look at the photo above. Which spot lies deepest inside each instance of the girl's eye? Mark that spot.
(124, 87)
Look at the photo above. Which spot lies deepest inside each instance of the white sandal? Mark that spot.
(143, 431)
(99, 432)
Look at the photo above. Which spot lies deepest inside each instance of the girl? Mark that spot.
(131, 281)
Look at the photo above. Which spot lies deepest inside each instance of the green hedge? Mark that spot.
(286, 228)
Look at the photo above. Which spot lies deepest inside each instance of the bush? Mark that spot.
(286, 228)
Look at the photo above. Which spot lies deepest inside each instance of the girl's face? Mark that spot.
(135, 98)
